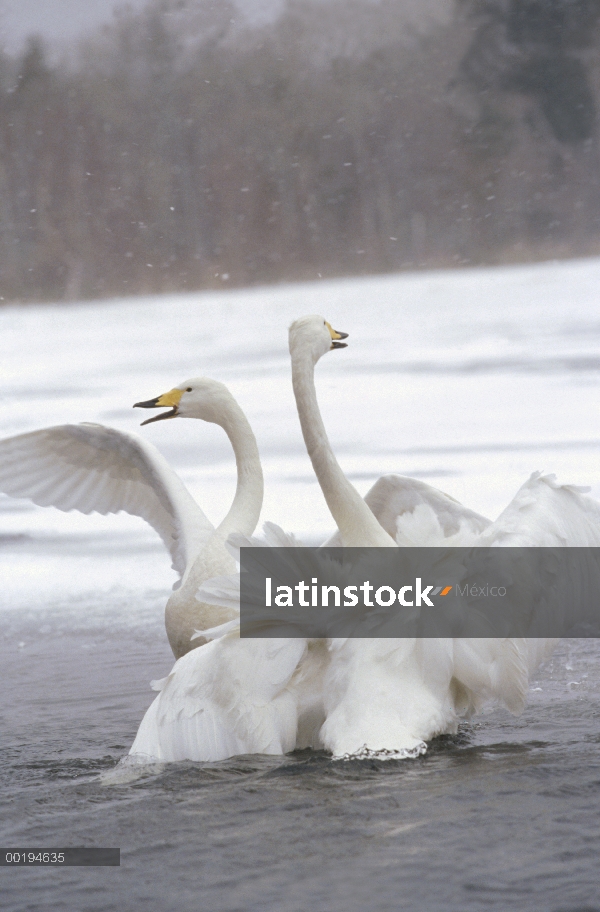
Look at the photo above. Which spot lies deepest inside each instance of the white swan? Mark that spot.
(238, 696)
(234, 696)
(269, 696)
(196, 716)
(388, 697)
(383, 697)
(91, 468)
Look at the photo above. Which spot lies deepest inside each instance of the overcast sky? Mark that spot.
(62, 20)
(59, 21)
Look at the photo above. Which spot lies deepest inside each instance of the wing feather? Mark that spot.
(230, 697)
(92, 468)
(544, 513)
(406, 507)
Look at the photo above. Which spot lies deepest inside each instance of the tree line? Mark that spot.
(178, 149)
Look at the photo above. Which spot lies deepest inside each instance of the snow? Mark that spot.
(470, 380)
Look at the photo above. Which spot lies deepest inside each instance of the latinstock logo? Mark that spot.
(324, 596)
(418, 592)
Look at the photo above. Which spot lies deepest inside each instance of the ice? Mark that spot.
(470, 380)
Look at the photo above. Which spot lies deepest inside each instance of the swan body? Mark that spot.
(229, 697)
(252, 696)
(92, 468)
(389, 697)
(354, 697)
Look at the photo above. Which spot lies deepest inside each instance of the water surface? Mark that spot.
(470, 381)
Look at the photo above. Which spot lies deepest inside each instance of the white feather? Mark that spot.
(227, 698)
(91, 468)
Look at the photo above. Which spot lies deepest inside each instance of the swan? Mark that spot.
(389, 697)
(357, 697)
(169, 730)
(270, 695)
(92, 468)
(237, 696)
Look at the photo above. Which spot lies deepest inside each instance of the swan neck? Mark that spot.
(245, 510)
(357, 525)
(184, 614)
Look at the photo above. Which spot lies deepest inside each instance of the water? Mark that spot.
(470, 381)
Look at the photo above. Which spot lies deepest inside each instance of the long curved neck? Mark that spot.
(245, 510)
(184, 614)
(357, 525)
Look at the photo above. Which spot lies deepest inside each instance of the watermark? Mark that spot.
(424, 592)
(62, 857)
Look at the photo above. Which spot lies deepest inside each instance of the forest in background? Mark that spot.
(177, 150)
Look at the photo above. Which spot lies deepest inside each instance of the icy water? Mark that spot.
(468, 380)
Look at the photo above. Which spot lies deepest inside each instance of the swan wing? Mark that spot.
(228, 698)
(546, 514)
(394, 496)
(92, 468)
(223, 591)
(413, 512)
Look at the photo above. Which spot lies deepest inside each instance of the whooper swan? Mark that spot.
(91, 468)
(389, 697)
(238, 696)
(293, 714)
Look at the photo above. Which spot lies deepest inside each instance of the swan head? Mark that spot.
(199, 397)
(314, 335)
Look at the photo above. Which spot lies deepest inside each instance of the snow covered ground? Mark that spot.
(470, 380)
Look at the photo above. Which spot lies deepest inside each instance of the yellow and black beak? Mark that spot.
(335, 336)
(171, 398)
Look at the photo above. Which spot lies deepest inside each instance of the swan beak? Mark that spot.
(335, 336)
(171, 398)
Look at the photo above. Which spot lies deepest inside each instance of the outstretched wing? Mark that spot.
(91, 468)
(545, 514)
(403, 505)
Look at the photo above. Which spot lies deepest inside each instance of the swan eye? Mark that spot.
(188, 389)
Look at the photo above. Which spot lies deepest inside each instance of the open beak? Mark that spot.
(171, 398)
(336, 336)
(336, 344)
